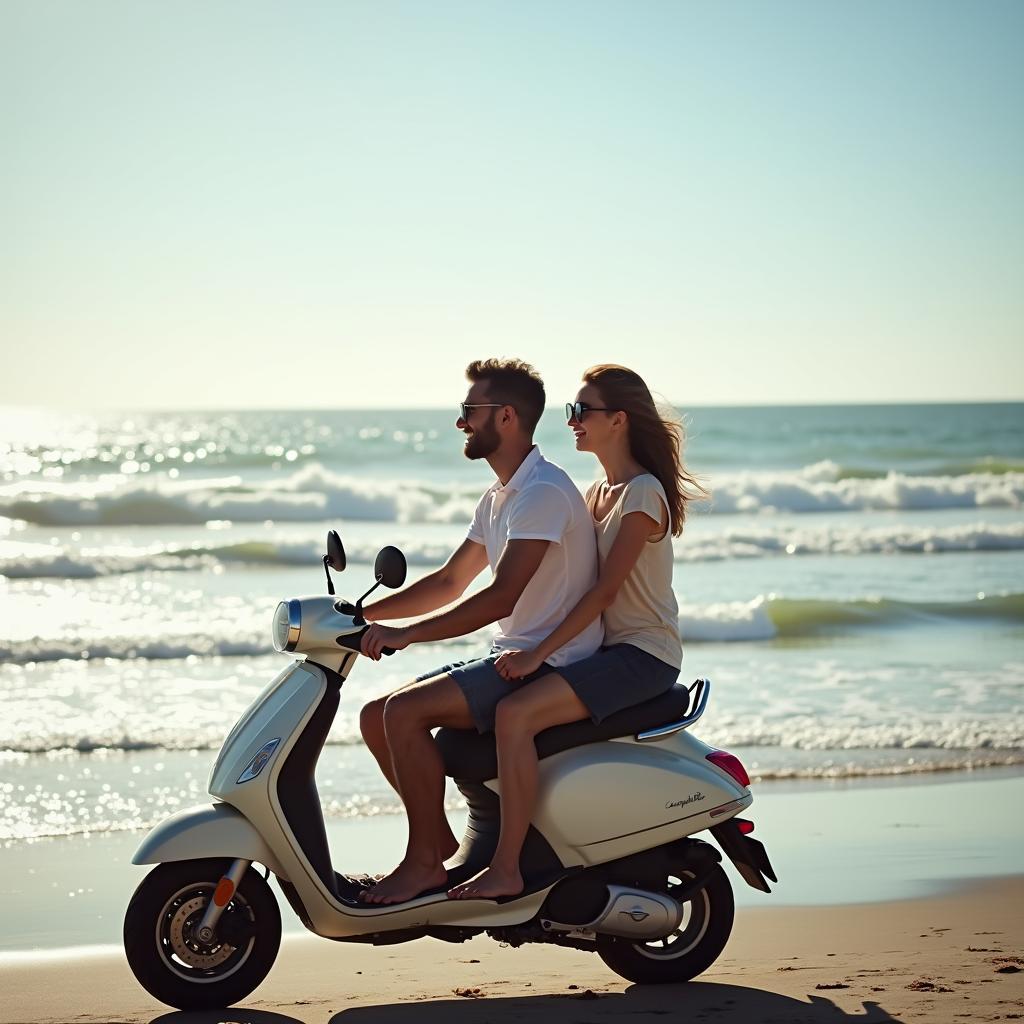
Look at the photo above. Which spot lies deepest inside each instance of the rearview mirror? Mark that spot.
(335, 551)
(389, 567)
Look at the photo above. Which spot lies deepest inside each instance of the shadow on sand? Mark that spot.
(229, 1015)
(697, 1001)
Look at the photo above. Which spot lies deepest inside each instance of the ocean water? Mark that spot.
(853, 588)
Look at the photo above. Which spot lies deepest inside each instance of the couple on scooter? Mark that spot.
(585, 628)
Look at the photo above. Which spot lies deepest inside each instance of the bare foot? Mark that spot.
(407, 881)
(489, 884)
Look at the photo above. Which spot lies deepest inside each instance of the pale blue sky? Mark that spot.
(297, 203)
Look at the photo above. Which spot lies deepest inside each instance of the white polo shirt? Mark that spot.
(540, 502)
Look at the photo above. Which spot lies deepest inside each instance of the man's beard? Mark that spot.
(483, 442)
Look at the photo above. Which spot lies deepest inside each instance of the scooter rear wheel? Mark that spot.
(688, 951)
(166, 956)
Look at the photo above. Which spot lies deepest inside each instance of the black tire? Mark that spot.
(687, 952)
(168, 903)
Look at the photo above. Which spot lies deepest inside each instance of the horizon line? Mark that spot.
(877, 404)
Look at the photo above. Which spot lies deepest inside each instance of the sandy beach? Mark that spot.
(954, 957)
(888, 907)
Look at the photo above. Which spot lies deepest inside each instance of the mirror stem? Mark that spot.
(330, 582)
(359, 621)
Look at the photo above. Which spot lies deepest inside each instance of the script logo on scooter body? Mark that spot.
(691, 799)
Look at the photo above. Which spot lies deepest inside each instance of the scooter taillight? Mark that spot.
(730, 763)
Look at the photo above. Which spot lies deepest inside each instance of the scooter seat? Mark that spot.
(472, 757)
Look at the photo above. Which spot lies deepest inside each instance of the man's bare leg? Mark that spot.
(371, 725)
(409, 715)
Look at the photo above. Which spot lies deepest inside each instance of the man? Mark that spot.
(534, 530)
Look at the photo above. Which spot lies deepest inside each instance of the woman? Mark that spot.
(636, 509)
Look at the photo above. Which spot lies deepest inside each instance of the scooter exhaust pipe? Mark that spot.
(629, 913)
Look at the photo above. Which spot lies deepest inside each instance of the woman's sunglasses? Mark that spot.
(577, 410)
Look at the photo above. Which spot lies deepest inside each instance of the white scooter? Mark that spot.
(609, 862)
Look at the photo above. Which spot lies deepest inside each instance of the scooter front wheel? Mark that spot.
(164, 951)
(690, 950)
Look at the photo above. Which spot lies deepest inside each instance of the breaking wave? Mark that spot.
(763, 618)
(938, 741)
(123, 648)
(760, 542)
(965, 467)
(310, 494)
(37, 561)
(823, 488)
(314, 493)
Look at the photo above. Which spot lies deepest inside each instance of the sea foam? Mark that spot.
(310, 494)
(314, 493)
(762, 618)
(821, 488)
(23, 560)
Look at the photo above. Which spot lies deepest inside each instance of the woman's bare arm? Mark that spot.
(636, 529)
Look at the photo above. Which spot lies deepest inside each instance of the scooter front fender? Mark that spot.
(209, 830)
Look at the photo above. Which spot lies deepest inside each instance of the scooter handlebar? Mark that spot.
(354, 642)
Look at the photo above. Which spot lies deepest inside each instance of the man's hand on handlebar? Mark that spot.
(377, 637)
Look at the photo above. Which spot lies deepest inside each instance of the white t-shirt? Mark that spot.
(644, 612)
(540, 502)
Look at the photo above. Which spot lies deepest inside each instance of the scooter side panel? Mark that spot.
(244, 719)
(288, 713)
(209, 830)
(622, 846)
(607, 800)
(273, 715)
(285, 713)
(236, 827)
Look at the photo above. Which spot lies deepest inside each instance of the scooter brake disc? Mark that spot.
(186, 948)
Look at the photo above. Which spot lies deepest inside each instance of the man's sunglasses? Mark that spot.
(465, 407)
(577, 410)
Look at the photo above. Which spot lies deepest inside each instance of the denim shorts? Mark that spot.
(481, 685)
(617, 677)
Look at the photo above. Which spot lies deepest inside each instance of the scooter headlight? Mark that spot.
(287, 625)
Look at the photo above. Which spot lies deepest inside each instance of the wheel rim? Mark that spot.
(180, 950)
(696, 918)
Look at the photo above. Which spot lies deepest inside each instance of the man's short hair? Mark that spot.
(512, 382)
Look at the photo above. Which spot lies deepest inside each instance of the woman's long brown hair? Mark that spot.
(655, 440)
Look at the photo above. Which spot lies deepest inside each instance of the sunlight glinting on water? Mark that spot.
(852, 589)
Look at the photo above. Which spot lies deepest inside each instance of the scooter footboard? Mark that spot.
(209, 830)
